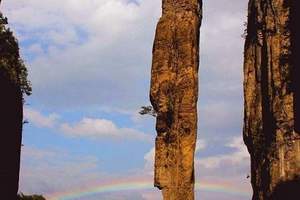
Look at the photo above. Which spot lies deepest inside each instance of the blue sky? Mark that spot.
(89, 63)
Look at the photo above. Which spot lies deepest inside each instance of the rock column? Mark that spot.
(271, 91)
(174, 94)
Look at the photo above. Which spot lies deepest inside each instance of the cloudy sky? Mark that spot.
(89, 63)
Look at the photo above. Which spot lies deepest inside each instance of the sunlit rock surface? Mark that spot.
(174, 94)
(271, 89)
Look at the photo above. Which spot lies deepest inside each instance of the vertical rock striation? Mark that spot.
(174, 94)
(13, 83)
(271, 91)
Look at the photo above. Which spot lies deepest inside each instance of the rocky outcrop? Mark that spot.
(13, 83)
(174, 94)
(271, 89)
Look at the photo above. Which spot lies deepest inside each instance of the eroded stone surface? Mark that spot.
(271, 91)
(174, 94)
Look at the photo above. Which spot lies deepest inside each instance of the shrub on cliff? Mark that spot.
(31, 197)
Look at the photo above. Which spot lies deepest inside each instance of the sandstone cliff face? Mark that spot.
(174, 94)
(13, 83)
(271, 92)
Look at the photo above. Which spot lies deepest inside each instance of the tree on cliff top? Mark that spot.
(10, 62)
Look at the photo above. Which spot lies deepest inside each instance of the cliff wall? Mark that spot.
(271, 88)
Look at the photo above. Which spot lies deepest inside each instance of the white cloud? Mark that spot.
(229, 168)
(239, 157)
(200, 145)
(149, 156)
(149, 162)
(96, 52)
(218, 119)
(97, 128)
(40, 120)
(87, 128)
(49, 171)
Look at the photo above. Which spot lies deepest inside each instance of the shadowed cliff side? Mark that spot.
(13, 83)
(271, 89)
(287, 190)
(174, 95)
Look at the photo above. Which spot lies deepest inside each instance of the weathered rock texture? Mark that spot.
(174, 94)
(271, 88)
(13, 84)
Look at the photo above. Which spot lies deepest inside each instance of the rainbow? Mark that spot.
(141, 185)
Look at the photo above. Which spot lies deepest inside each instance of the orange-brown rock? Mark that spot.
(271, 89)
(174, 94)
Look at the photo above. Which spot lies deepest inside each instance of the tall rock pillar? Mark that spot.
(271, 91)
(174, 94)
(13, 83)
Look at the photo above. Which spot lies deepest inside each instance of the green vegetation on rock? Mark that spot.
(31, 197)
(10, 62)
